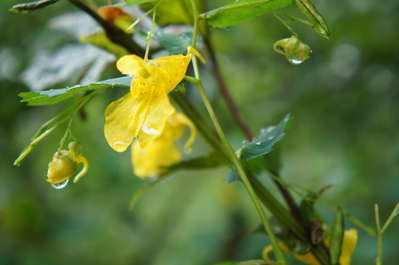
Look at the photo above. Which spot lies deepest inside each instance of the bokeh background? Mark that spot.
(345, 107)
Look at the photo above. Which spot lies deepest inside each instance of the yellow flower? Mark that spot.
(348, 247)
(65, 163)
(142, 113)
(154, 158)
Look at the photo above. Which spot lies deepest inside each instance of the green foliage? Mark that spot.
(264, 142)
(54, 96)
(101, 40)
(317, 21)
(174, 44)
(238, 11)
(27, 7)
(337, 237)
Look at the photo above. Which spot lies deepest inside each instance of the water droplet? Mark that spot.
(258, 143)
(149, 130)
(270, 138)
(295, 61)
(61, 185)
(120, 143)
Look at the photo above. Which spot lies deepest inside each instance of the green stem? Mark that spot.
(241, 172)
(379, 235)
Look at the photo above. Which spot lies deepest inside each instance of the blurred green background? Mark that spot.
(345, 107)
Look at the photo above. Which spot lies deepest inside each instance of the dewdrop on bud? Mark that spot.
(63, 166)
(293, 49)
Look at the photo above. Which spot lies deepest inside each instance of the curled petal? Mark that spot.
(123, 120)
(191, 50)
(182, 119)
(83, 171)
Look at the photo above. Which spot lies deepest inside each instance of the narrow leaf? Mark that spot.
(264, 142)
(238, 11)
(337, 238)
(27, 7)
(53, 96)
(310, 11)
(210, 161)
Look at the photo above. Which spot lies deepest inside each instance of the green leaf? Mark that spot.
(337, 238)
(238, 11)
(264, 142)
(27, 7)
(101, 40)
(138, 2)
(174, 44)
(53, 96)
(318, 23)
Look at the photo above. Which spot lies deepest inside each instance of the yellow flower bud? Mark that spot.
(61, 167)
(293, 49)
(65, 164)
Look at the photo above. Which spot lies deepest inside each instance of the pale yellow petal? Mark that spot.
(130, 64)
(348, 246)
(174, 67)
(123, 120)
(154, 158)
(157, 115)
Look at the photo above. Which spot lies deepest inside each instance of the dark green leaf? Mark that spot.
(337, 238)
(26, 7)
(174, 44)
(238, 11)
(53, 96)
(318, 22)
(263, 143)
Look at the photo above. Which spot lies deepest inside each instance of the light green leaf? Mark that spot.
(101, 40)
(210, 161)
(264, 142)
(27, 7)
(318, 23)
(53, 96)
(238, 11)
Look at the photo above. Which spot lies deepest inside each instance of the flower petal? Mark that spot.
(348, 246)
(130, 64)
(174, 67)
(123, 120)
(158, 113)
(183, 120)
(154, 158)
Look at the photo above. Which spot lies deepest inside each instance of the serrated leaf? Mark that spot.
(27, 7)
(238, 11)
(53, 96)
(174, 44)
(264, 142)
(310, 11)
(337, 238)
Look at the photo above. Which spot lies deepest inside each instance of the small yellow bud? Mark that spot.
(61, 167)
(293, 49)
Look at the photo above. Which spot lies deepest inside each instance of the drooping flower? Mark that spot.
(154, 158)
(348, 247)
(142, 113)
(64, 165)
